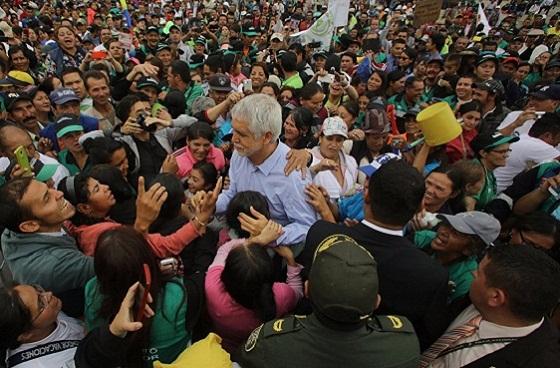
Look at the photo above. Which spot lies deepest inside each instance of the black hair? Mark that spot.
(548, 123)
(458, 184)
(101, 149)
(351, 55)
(384, 82)
(171, 208)
(180, 68)
(70, 70)
(409, 82)
(438, 39)
(273, 86)
(263, 67)
(303, 119)
(395, 75)
(112, 176)
(399, 40)
(309, 90)
(209, 174)
(200, 130)
(473, 105)
(241, 203)
(411, 53)
(47, 85)
(248, 278)
(288, 61)
(527, 276)
(75, 190)
(118, 262)
(395, 193)
(125, 105)
(352, 107)
(12, 213)
(214, 62)
(538, 222)
(228, 61)
(15, 318)
(14, 49)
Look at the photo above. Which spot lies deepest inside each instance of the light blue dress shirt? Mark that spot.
(285, 194)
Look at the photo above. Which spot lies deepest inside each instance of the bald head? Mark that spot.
(11, 137)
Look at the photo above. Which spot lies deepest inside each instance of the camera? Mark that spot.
(141, 120)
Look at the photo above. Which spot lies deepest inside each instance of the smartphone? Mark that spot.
(554, 192)
(247, 85)
(23, 160)
(144, 293)
(156, 108)
(98, 55)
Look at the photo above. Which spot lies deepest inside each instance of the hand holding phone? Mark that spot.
(23, 161)
(144, 294)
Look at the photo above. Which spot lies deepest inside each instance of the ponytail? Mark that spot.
(265, 305)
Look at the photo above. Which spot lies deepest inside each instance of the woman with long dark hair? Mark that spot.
(120, 258)
(240, 290)
(93, 202)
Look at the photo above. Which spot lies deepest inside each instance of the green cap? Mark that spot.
(67, 123)
(343, 281)
(43, 172)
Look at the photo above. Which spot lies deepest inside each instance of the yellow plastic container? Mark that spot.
(438, 123)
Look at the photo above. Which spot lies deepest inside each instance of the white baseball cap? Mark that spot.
(334, 126)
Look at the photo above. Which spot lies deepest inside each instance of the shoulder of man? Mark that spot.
(269, 331)
(391, 323)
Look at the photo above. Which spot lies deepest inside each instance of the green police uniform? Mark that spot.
(340, 332)
(300, 341)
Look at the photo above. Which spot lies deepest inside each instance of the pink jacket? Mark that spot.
(234, 322)
(163, 246)
(186, 161)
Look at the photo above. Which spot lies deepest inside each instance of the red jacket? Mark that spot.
(163, 246)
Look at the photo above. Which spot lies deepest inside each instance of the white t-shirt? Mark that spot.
(55, 351)
(525, 154)
(510, 118)
(327, 180)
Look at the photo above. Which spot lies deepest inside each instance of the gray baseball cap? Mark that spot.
(474, 223)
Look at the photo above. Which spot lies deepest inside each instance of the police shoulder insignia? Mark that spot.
(252, 340)
(394, 323)
(280, 326)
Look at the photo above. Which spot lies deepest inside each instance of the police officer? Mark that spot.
(341, 331)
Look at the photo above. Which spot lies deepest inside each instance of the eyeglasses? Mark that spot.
(44, 300)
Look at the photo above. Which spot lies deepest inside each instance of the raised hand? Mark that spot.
(148, 204)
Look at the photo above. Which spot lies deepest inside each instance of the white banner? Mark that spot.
(339, 8)
(322, 30)
(483, 20)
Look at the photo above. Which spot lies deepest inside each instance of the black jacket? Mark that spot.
(411, 284)
(539, 349)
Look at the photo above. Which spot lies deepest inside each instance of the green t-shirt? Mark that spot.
(191, 94)
(64, 157)
(294, 81)
(488, 192)
(168, 334)
(460, 271)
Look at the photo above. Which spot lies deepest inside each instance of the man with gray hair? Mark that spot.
(258, 165)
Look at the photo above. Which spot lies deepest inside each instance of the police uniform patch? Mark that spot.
(252, 340)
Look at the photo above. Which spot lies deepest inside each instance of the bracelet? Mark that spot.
(197, 220)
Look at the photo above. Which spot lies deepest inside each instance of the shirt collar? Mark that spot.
(488, 330)
(271, 161)
(383, 229)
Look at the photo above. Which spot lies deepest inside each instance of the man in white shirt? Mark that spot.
(532, 149)
(506, 326)
(545, 99)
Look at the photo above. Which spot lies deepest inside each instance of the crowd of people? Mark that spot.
(203, 183)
